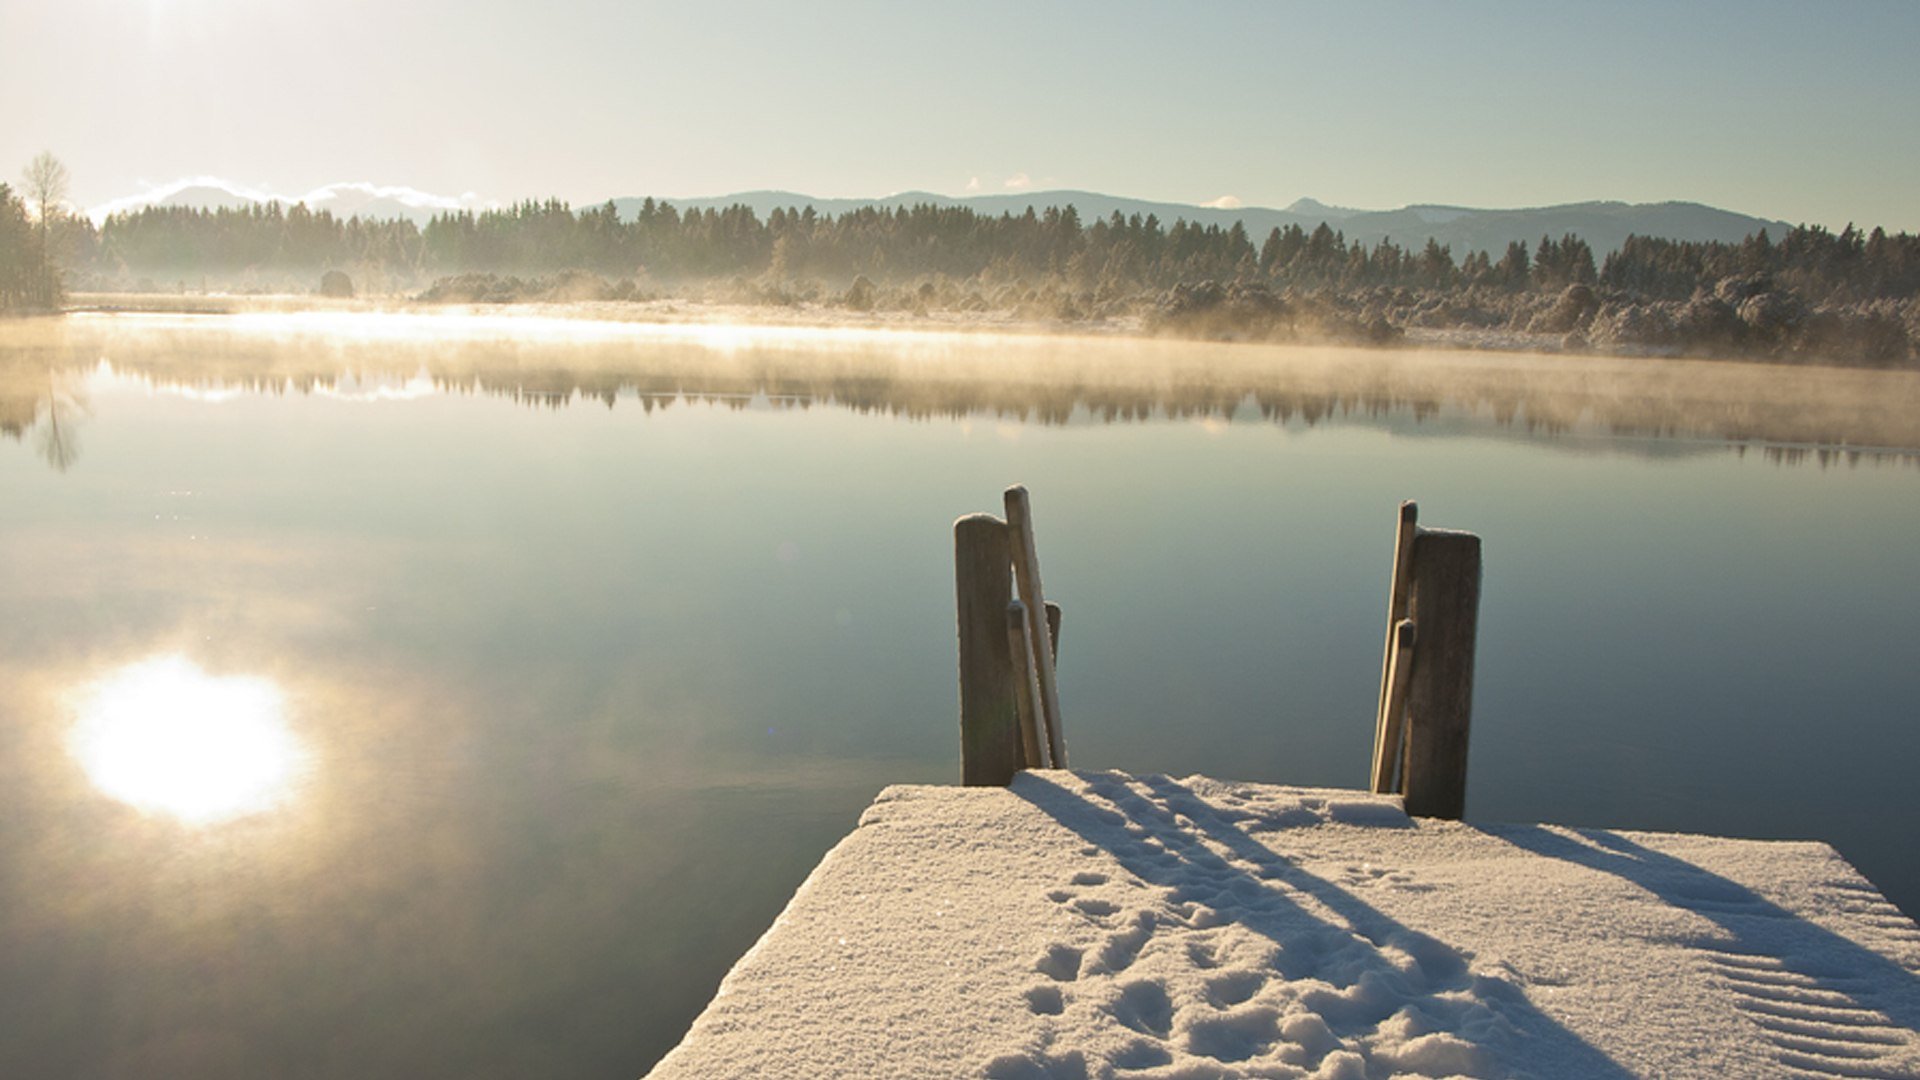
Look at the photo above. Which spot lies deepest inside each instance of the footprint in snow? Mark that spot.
(1215, 956)
(1045, 1001)
(1061, 963)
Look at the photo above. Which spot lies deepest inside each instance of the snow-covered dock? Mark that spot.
(1085, 924)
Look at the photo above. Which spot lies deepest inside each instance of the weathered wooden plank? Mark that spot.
(1386, 753)
(1026, 576)
(1389, 748)
(1026, 685)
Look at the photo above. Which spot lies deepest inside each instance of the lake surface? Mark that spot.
(524, 666)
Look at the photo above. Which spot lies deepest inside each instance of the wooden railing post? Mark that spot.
(1444, 603)
(990, 747)
(1389, 746)
(1026, 576)
(1026, 686)
(1386, 727)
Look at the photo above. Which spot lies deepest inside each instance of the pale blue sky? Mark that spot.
(1798, 111)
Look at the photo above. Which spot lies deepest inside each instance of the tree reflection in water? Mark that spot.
(1820, 415)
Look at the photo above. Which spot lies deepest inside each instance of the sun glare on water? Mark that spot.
(168, 738)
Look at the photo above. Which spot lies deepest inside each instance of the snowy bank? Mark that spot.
(1085, 924)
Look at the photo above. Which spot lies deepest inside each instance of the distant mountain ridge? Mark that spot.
(1603, 225)
(341, 200)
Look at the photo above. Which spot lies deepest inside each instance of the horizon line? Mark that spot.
(431, 202)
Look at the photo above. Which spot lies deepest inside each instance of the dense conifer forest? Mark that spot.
(28, 279)
(1812, 295)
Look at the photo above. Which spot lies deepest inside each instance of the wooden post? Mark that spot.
(1026, 576)
(1445, 602)
(1386, 752)
(1389, 745)
(1026, 686)
(990, 750)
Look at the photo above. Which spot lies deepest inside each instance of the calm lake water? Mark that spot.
(406, 696)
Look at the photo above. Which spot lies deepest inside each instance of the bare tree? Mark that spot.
(46, 188)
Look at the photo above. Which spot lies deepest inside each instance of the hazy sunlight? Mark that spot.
(166, 737)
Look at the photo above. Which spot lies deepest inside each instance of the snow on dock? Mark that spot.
(1089, 924)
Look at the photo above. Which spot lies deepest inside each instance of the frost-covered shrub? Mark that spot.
(1739, 289)
(337, 285)
(573, 286)
(1769, 318)
(1839, 336)
(1708, 325)
(1632, 325)
(860, 295)
(1571, 311)
(569, 286)
(1223, 312)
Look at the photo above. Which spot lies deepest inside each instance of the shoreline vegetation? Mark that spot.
(1812, 297)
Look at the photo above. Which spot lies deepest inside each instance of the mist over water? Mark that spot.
(593, 637)
(544, 358)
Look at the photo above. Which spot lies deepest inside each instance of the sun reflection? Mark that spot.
(165, 737)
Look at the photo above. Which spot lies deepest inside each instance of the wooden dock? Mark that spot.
(1045, 924)
(1084, 924)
